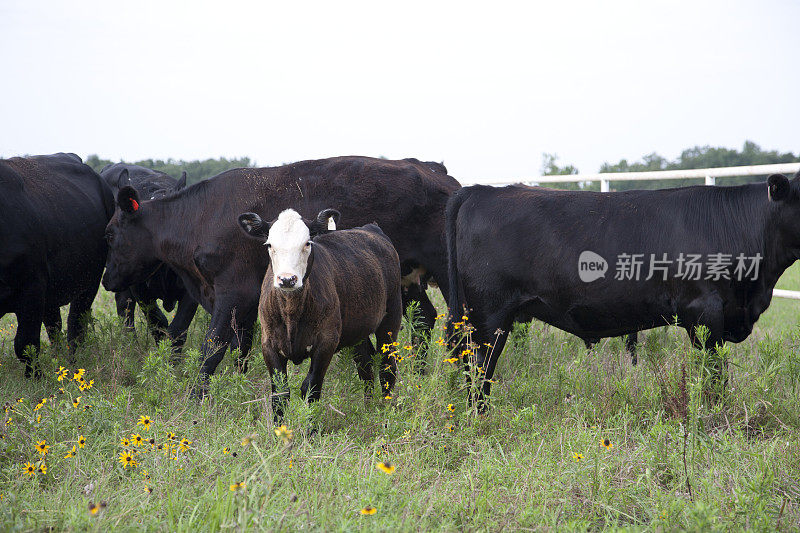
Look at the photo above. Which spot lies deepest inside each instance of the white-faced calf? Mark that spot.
(324, 291)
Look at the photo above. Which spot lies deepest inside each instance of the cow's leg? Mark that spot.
(216, 341)
(187, 307)
(364, 351)
(630, 346)
(488, 353)
(243, 341)
(157, 323)
(424, 317)
(276, 366)
(52, 324)
(80, 313)
(126, 306)
(29, 329)
(311, 389)
(385, 334)
(708, 311)
(488, 340)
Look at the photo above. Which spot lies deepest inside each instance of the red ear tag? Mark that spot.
(135, 204)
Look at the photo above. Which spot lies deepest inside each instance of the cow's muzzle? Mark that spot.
(287, 282)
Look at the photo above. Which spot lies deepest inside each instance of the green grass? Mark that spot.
(511, 468)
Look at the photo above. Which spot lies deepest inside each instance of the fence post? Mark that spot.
(710, 180)
(604, 185)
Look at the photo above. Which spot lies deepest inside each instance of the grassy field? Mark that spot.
(538, 459)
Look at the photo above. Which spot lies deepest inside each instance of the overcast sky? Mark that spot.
(485, 88)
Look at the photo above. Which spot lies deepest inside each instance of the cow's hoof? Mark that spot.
(199, 393)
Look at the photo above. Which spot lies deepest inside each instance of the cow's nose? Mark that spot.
(287, 282)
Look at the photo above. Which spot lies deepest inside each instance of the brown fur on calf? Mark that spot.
(352, 290)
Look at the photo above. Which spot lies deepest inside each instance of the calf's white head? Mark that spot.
(289, 240)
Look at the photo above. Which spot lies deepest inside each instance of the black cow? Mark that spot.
(163, 284)
(194, 232)
(53, 211)
(322, 292)
(514, 253)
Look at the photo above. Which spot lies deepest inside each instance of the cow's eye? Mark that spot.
(268, 245)
(308, 244)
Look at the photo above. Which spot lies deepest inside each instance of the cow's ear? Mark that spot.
(128, 199)
(326, 221)
(253, 226)
(124, 179)
(778, 187)
(181, 182)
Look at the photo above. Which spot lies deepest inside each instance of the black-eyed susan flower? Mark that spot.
(226, 450)
(451, 360)
(451, 428)
(385, 467)
(369, 510)
(40, 404)
(93, 508)
(76, 401)
(607, 443)
(284, 434)
(42, 447)
(29, 469)
(61, 390)
(20, 400)
(70, 453)
(43, 468)
(81, 441)
(126, 458)
(440, 342)
(450, 407)
(62, 373)
(171, 436)
(152, 442)
(577, 456)
(78, 375)
(237, 486)
(137, 440)
(148, 489)
(125, 443)
(145, 421)
(184, 444)
(38, 419)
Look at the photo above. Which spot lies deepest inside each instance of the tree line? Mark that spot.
(195, 170)
(696, 157)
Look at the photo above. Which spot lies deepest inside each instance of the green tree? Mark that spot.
(196, 170)
(550, 167)
(699, 157)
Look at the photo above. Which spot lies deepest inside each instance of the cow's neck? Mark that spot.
(780, 253)
(172, 230)
(292, 307)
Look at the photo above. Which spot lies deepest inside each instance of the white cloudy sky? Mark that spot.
(485, 87)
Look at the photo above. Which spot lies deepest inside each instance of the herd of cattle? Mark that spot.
(327, 252)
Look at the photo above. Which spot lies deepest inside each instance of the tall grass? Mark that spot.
(538, 459)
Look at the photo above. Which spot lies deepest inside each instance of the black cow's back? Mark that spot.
(53, 215)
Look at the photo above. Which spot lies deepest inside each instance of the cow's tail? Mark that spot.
(455, 289)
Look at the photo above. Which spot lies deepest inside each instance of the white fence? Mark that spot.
(708, 174)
